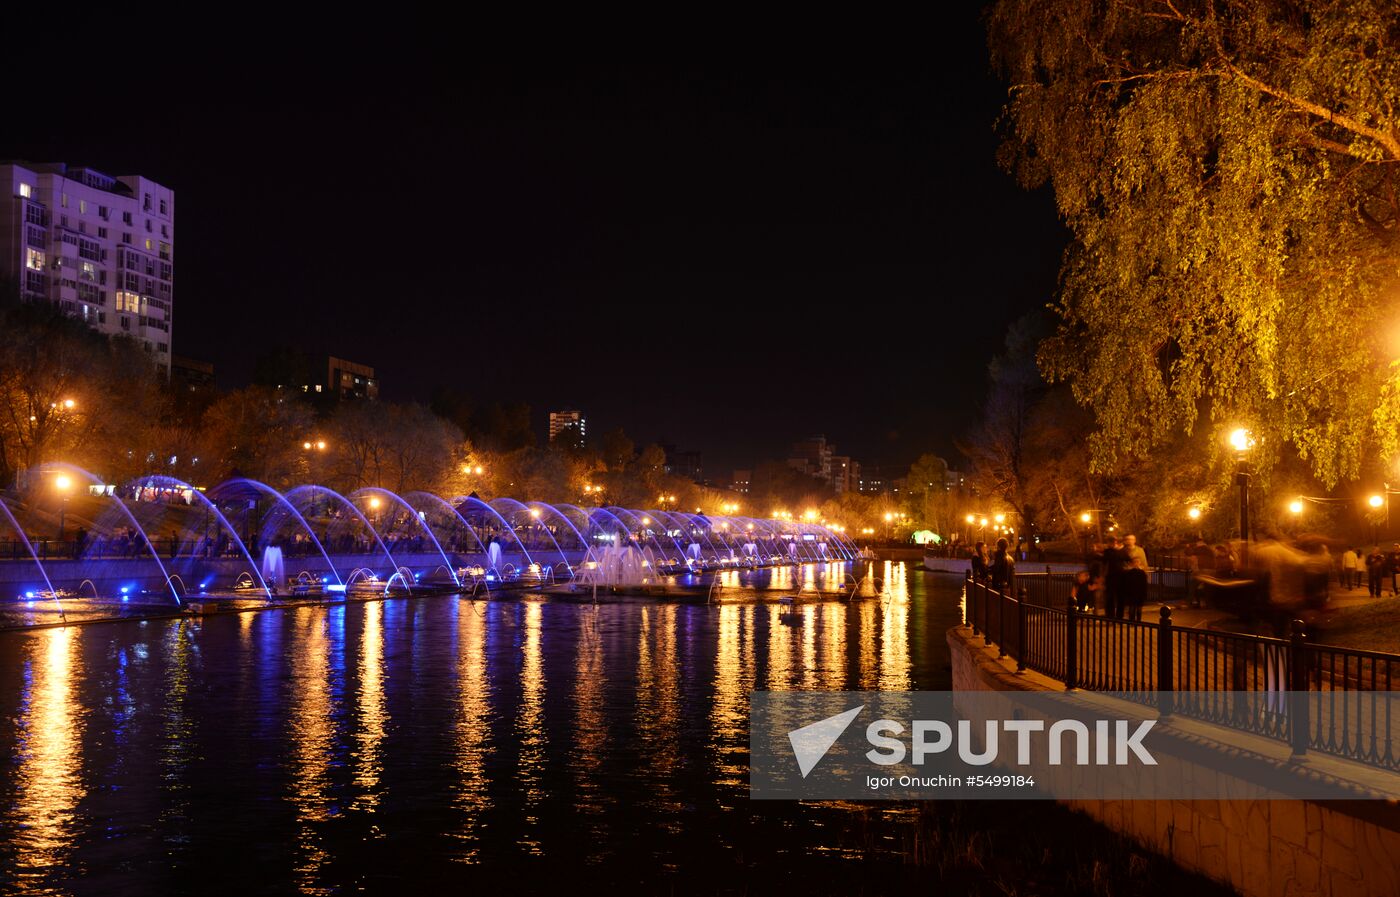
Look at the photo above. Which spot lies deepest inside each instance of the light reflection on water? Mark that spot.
(422, 736)
(48, 779)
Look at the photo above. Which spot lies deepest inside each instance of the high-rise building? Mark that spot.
(101, 248)
(845, 474)
(812, 456)
(560, 420)
(741, 481)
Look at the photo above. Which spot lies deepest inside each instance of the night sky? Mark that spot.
(726, 258)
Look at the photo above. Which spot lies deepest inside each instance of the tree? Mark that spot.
(395, 447)
(67, 393)
(618, 449)
(998, 447)
(1230, 173)
(255, 432)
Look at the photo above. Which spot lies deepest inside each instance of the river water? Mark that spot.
(528, 745)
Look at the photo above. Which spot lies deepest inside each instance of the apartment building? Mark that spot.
(101, 248)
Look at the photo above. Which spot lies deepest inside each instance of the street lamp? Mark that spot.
(1241, 441)
(62, 483)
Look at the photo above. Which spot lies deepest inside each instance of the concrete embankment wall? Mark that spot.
(1262, 848)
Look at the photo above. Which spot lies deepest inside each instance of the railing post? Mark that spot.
(986, 594)
(968, 590)
(1001, 621)
(1071, 645)
(1298, 723)
(1046, 593)
(1021, 632)
(1165, 699)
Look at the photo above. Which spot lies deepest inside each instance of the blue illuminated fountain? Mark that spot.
(157, 538)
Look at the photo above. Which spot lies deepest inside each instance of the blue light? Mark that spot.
(29, 594)
(126, 589)
(325, 579)
(335, 588)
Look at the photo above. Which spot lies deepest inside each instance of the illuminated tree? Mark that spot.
(1229, 172)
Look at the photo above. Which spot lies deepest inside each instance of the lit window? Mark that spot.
(318, 387)
(63, 200)
(82, 207)
(34, 260)
(89, 271)
(26, 191)
(149, 244)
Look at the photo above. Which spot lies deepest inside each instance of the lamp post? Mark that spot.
(62, 483)
(1242, 442)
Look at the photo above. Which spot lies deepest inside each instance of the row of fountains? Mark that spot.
(160, 539)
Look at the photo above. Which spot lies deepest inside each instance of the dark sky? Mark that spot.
(725, 257)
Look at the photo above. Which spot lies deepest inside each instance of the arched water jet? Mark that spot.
(94, 480)
(349, 506)
(461, 500)
(418, 521)
(533, 519)
(172, 483)
(282, 500)
(440, 503)
(642, 528)
(19, 531)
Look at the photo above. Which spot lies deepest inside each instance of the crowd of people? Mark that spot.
(1114, 579)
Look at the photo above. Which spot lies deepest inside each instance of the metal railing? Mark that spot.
(1334, 700)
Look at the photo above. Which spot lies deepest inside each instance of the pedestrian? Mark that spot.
(1392, 563)
(1375, 570)
(1003, 569)
(1114, 561)
(80, 541)
(980, 567)
(1349, 577)
(1085, 585)
(1134, 592)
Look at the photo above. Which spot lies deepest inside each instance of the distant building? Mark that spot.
(560, 420)
(346, 380)
(101, 248)
(741, 481)
(845, 474)
(190, 377)
(683, 463)
(956, 481)
(871, 482)
(812, 456)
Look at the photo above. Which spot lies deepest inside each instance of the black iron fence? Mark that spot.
(1335, 700)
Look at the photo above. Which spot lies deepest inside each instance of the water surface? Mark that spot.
(329, 749)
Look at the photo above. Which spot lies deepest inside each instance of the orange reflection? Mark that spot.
(658, 703)
(49, 777)
(530, 727)
(472, 726)
(590, 728)
(312, 739)
(369, 735)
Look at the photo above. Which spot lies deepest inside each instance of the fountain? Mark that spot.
(274, 570)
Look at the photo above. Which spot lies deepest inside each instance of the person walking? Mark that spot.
(1349, 577)
(1375, 569)
(1003, 569)
(1134, 593)
(1392, 566)
(980, 567)
(1114, 561)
